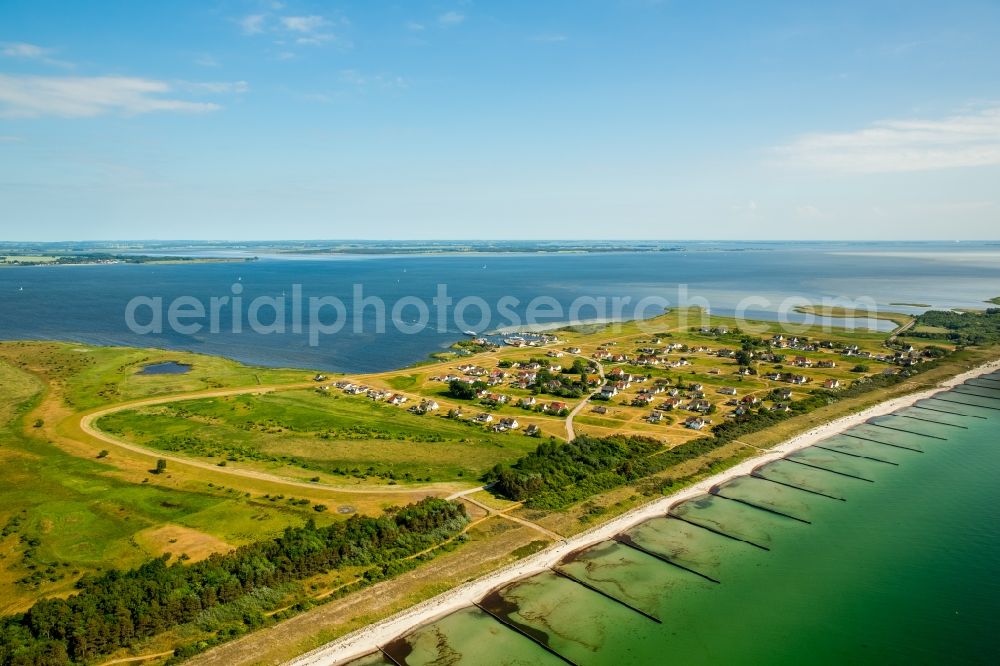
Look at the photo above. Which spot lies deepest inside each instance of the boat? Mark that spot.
(472, 333)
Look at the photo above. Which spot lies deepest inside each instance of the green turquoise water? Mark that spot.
(879, 546)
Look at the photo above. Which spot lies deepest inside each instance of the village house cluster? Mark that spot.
(661, 397)
(633, 384)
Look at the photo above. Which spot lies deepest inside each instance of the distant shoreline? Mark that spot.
(117, 260)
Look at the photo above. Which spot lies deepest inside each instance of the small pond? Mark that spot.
(166, 368)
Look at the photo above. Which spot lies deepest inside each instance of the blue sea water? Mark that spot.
(88, 303)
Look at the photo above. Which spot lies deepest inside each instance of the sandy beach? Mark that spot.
(369, 638)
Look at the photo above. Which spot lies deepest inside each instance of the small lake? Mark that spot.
(166, 368)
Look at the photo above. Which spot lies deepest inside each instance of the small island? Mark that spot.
(102, 258)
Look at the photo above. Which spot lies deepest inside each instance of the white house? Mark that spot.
(695, 423)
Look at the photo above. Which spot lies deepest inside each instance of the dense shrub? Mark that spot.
(549, 471)
(964, 328)
(119, 608)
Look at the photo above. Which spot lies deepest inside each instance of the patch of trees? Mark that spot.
(964, 328)
(119, 608)
(464, 390)
(561, 385)
(580, 367)
(556, 475)
(473, 347)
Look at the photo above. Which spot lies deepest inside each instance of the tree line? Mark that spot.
(547, 476)
(963, 328)
(118, 608)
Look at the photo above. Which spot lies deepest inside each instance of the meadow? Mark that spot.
(63, 515)
(332, 434)
(70, 506)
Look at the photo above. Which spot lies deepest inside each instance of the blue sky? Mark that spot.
(451, 119)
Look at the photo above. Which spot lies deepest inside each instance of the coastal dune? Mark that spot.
(371, 637)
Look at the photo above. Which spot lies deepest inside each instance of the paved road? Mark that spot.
(88, 419)
(902, 329)
(502, 513)
(463, 493)
(570, 434)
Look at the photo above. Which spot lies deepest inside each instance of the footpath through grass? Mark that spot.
(66, 511)
(345, 436)
(62, 516)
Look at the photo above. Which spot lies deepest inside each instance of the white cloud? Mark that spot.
(291, 30)
(304, 24)
(25, 51)
(965, 140)
(22, 50)
(252, 24)
(310, 30)
(413, 26)
(314, 40)
(451, 18)
(82, 97)
(9, 138)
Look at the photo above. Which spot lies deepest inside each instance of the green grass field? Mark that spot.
(92, 376)
(63, 515)
(28, 258)
(332, 433)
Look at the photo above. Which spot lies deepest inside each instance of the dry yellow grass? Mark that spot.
(179, 540)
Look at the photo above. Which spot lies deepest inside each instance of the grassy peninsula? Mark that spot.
(110, 475)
